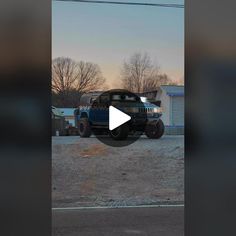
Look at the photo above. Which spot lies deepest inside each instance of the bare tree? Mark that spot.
(89, 77)
(139, 74)
(64, 74)
(70, 79)
(152, 83)
(135, 71)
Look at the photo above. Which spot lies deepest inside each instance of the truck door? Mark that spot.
(76, 116)
(104, 109)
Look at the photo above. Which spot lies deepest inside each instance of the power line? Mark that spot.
(127, 3)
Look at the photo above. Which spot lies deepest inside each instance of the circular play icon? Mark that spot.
(118, 117)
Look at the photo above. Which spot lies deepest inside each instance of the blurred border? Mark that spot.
(210, 164)
(25, 81)
(210, 115)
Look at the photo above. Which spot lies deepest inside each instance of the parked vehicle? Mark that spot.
(92, 115)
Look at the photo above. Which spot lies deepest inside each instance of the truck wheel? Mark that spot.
(84, 128)
(120, 133)
(156, 130)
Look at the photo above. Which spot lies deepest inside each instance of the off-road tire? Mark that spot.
(84, 128)
(120, 133)
(155, 130)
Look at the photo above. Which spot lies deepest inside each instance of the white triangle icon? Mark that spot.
(117, 118)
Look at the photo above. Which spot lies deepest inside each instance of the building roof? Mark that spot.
(173, 90)
(67, 111)
(56, 111)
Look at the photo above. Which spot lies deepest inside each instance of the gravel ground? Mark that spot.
(86, 172)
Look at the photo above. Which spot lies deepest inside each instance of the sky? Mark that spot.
(109, 34)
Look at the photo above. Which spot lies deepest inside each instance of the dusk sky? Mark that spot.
(109, 34)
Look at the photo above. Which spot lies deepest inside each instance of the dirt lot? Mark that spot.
(89, 173)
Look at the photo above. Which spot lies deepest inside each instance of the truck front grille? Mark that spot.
(146, 110)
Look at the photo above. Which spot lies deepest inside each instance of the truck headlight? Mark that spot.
(157, 110)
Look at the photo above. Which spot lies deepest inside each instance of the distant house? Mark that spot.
(68, 113)
(171, 99)
(58, 121)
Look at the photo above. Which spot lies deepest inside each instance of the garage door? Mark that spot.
(178, 111)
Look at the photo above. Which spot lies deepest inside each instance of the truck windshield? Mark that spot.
(125, 97)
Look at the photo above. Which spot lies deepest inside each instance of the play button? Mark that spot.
(117, 118)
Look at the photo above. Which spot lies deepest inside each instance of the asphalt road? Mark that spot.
(155, 221)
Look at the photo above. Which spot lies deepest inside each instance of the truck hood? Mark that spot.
(135, 104)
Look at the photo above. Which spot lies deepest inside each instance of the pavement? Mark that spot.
(140, 221)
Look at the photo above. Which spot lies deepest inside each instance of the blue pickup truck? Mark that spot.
(92, 115)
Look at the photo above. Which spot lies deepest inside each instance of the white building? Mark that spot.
(171, 98)
(69, 115)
